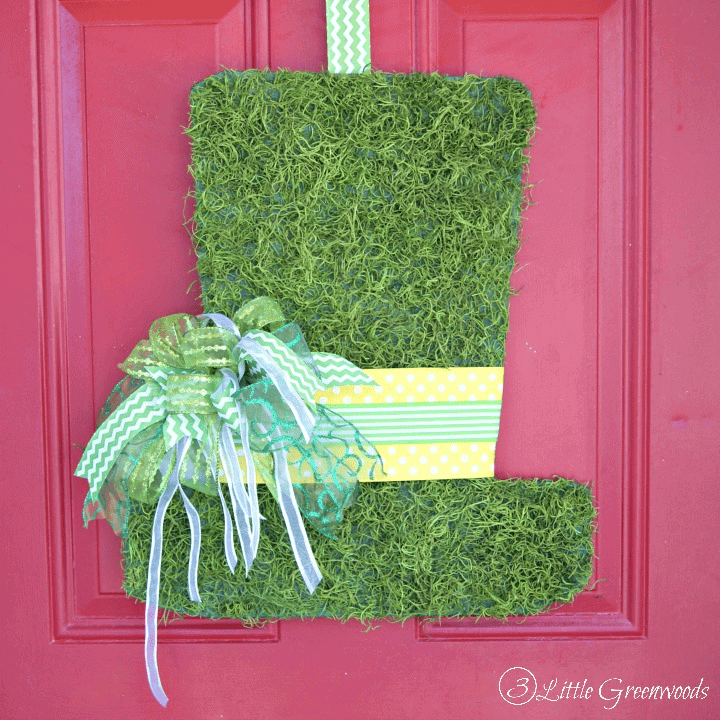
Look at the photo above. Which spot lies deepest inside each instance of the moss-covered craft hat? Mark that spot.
(381, 213)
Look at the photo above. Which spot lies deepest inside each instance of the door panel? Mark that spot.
(104, 198)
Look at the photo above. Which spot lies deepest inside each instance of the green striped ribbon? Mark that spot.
(416, 423)
(348, 35)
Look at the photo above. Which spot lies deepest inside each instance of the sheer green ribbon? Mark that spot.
(202, 393)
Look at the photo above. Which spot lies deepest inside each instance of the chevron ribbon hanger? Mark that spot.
(348, 36)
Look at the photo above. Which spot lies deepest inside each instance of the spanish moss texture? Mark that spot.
(482, 547)
(382, 212)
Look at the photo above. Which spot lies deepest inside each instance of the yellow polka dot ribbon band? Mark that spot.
(425, 423)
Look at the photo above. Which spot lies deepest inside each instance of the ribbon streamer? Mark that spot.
(244, 502)
(230, 554)
(251, 477)
(152, 595)
(195, 535)
(296, 529)
(238, 497)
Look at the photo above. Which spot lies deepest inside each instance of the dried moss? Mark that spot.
(381, 211)
(482, 547)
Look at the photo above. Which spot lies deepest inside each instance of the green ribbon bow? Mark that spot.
(198, 397)
(173, 391)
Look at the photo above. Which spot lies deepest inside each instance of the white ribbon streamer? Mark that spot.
(195, 535)
(251, 479)
(229, 537)
(152, 594)
(230, 554)
(293, 521)
(238, 495)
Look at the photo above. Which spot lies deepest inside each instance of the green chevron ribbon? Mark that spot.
(301, 377)
(348, 35)
(142, 409)
(335, 370)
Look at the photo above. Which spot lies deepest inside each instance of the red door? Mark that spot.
(610, 375)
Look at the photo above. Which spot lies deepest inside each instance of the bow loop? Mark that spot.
(205, 348)
(178, 342)
(257, 314)
(162, 347)
(165, 338)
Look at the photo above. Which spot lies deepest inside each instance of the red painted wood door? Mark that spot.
(610, 374)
